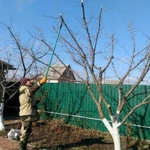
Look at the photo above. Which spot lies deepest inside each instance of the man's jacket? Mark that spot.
(27, 101)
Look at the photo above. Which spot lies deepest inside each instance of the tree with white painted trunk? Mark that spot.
(99, 64)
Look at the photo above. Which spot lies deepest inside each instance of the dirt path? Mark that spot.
(6, 144)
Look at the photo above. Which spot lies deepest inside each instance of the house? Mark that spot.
(111, 82)
(4, 67)
(60, 73)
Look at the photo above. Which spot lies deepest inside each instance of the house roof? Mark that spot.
(56, 71)
(6, 65)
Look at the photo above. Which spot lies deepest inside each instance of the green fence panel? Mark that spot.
(73, 103)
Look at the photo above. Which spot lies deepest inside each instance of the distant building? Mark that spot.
(60, 73)
(4, 67)
(111, 82)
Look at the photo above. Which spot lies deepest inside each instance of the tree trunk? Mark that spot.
(114, 131)
(1, 117)
(116, 137)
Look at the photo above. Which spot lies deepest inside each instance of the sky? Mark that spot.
(24, 15)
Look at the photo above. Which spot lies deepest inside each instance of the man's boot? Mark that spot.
(23, 145)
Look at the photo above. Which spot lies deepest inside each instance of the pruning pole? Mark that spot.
(50, 61)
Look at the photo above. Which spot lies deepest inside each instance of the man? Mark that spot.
(28, 110)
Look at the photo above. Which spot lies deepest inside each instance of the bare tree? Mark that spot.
(26, 60)
(98, 65)
(4, 86)
(40, 37)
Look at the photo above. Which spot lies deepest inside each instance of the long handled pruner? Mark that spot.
(50, 61)
(40, 106)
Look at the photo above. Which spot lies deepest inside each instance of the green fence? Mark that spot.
(73, 103)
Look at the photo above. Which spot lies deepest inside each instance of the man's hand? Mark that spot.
(43, 80)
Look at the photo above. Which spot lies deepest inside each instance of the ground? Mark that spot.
(56, 135)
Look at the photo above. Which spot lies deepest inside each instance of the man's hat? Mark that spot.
(23, 81)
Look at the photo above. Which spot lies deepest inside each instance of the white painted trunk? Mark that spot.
(114, 131)
(1, 117)
(116, 137)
